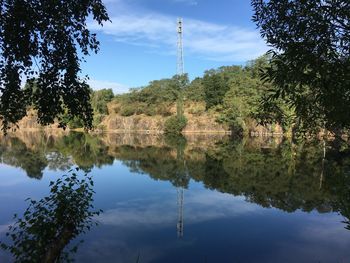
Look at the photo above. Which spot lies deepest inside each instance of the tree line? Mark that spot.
(232, 94)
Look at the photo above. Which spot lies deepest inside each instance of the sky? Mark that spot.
(139, 45)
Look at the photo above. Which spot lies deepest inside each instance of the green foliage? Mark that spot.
(75, 123)
(241, 100)
(272, 111)
(232, 94)
(154, 99)
(42, 40)
(127, 110)
(98, 118)
(196, 110)
(195, 90)
(310, 60)
(175, 124)
(240, 105)
(100, 99)
(48, 225)
(215, 87)
(181, 85)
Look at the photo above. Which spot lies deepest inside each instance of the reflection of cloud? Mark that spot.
(4, 228)
(328, 228)
(10, 176)
(12, 182)
(212, 41)
(198, 207)
(316, 238)
(106, 249)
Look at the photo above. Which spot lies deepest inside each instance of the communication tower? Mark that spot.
(180, 51)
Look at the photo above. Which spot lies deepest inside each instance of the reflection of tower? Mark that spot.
(180, 72)
(180, 204)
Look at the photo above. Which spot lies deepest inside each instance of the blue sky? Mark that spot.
(140, 43)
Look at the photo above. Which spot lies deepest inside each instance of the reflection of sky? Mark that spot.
(9, 176)
(140, 216)
(161, 209)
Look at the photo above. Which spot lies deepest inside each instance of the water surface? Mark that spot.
(199, 199)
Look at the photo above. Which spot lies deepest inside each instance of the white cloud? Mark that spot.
(188, 2)
(203, 39)
(101, 84)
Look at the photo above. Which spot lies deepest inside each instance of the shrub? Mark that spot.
(102, 127)
(116, 108)
(75, 123)
(127, 111)
(175, 124)
(164, 109)
(196, 110)
(150, 110)
(98, 118)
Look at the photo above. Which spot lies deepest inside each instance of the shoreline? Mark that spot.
(147, 132)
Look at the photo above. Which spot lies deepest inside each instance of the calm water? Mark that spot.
(204, 199)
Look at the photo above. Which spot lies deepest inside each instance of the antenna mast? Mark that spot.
(180, 51)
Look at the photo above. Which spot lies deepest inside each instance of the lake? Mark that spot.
(195, 199)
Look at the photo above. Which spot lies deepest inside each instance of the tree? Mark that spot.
(175, 124)
(49, 225)
(100, 99)
(42, 40)
(195, 90)
(310, 67)
(215, 87)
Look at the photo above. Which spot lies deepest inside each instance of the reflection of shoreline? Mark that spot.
(270, 172)
(33, 137)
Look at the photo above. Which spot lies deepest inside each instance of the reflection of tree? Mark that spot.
(337, 181)
(181, 176)
(81, 149)
(285, 176)
(275, 176)
(87, 151)
(282, 175)
(49, 225)
(15, 153)
(161, 163)
(58, 161)
(343, 205)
